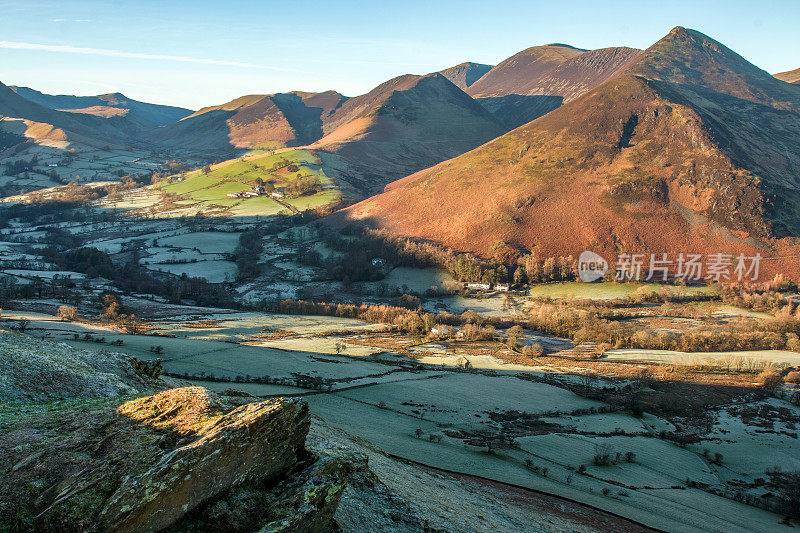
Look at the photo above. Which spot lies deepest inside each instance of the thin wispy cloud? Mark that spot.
(63, 49)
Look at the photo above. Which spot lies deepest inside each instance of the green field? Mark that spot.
(208, 192)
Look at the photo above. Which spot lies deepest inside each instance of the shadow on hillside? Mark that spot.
(514, 110)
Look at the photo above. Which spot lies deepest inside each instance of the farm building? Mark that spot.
(479, 286)
(443, 331)
(502, 287)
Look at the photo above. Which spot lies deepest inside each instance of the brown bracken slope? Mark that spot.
(792, 76)
(273, 121)
(690, 148)
(404, 125)
(535, 81)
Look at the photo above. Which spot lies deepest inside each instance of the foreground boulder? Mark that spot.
(183, 459)
(255, 442)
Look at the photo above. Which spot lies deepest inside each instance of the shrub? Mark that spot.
(769, 381)
(793, 341)
(792, 377)
(602, 454)
(513, 335)
(532, 350)
(67, 312)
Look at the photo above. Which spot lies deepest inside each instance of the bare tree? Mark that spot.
(67, 312)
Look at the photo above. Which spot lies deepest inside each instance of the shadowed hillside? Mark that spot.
(59, 128)
(553, 69)
(690, 148)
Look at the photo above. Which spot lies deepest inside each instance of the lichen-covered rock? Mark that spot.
(83, 449)
(253, 443)
(304, 502)
(141, 465)
(307, 502)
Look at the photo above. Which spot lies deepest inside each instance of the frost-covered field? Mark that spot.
(424, 411)
(238, 325)
(605, 291)
(417, 280)
(722, 359)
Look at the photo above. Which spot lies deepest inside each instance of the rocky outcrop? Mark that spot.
(147, 464)
(304, 502)
(253, 443)
(85, 449)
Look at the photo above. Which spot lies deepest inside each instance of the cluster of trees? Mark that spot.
(113, 312)
(59, 288)
(412, 321)
(465, 267)
(46, 212)
(605, 455)
(354, 262)
(765, 301)
(8, 139)
(468, 267)
(532, 269)
(787, 488)
(247, 253)
(115, 191)
(297, 379)
(132, 277)
(17, 167)
(73, 194)
(304, 185)
(584, 325)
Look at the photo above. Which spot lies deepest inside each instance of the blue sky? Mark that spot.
(196, 53)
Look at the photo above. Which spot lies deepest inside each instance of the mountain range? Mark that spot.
(93, 126)
(686, 147)
(553, 150)
(160, 115)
